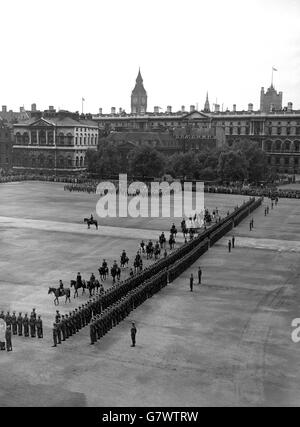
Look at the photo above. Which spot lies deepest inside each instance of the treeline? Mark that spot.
(236, 163)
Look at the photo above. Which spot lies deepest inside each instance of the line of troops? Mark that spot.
(103, 321)
(20, 324)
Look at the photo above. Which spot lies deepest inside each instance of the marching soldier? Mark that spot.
(20, 324)
(14, 323)
(39, 327)
(26, 325)
(32, 326)
(93, 333)
(54, 331)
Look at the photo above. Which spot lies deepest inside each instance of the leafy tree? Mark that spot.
(256, 157)
(232, 166)
(146, 161)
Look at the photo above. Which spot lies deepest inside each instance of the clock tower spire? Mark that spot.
(139, 96)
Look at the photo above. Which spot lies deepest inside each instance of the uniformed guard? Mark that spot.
(39, 327)
(191, 282)
(32, 324)
(63, 328)
(229, 245)
(57, 317)
(2, 315)
(14, 323)
(20, 324)
(7, 319)
(54, 331)
(68, 326)
(133, 334)
(92, 333)
(8, 338)
(33, 314)
(26, 325)
(233, 241)
(199, 275)
(58, 332)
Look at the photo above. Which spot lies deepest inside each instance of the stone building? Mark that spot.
(271, 100)
(53, 142)
(6, 144)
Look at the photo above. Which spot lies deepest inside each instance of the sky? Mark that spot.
(56, 52)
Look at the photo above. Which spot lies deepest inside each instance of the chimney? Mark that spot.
(250, 108)
(217, 108)
(4, 109)
(234, 108)
(192, 108)
(51, 108)
(156, 109)
(183, 109)
(22, 109)
(113, 110)
(290, 107)
(33, 107)
(120, 110)
(169, 109)
(100, 111)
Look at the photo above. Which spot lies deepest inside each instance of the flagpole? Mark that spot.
(272, 76)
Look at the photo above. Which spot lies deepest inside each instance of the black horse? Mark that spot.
(90, 222)
(78, 286)
(58, 292)
(103, 272)
(124, 260)
(115, 271)
(92, 286)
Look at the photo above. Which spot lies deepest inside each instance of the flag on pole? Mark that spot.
(275, 69)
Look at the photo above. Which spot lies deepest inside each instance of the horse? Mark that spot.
(103, 272)
(91, 286)
(78, 286)
(115, 271)
(149, 251)
(90, 222)
(124, 261)
(58, 292)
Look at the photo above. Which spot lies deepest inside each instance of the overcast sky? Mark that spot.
(56, 52)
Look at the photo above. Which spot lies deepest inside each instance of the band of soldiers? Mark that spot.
(20, 324)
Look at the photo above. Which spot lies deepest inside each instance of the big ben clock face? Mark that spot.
(143, 100)
(135, 100)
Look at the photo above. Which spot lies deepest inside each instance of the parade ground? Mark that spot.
(228, 343)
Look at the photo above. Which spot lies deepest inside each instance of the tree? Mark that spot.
(256, 158)
(232, 166)
(146, 161)
(105, 162)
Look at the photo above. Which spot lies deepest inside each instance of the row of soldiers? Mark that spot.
(21, 324)
(69, 324)
(102, 322)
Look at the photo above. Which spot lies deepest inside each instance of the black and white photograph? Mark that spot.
(150, 206)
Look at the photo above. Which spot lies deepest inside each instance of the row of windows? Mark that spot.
(42, 161)
(287, 161)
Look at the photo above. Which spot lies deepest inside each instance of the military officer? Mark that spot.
(14, 323)
(20, 324)
(26, 325)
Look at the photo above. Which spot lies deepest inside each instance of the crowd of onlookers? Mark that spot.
(253, 191)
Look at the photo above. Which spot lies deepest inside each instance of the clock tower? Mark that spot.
(139, 97)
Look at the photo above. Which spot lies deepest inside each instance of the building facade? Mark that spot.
(6, 144)
(53, 142)
(275, 129)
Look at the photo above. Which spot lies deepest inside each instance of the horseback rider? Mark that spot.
(78, 279)
(92, 278)
(104, 264)
(61, 287)
(115, 265)
(92, 218)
